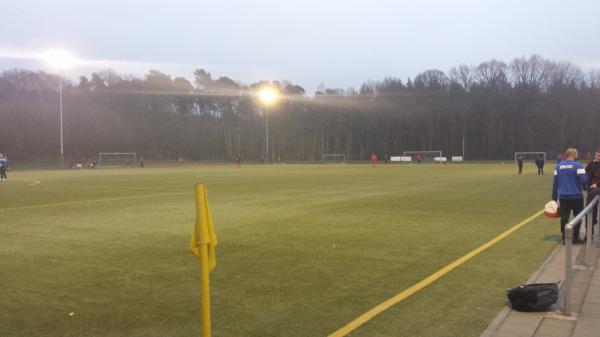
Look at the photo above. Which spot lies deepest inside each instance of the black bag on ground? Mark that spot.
(533, 297)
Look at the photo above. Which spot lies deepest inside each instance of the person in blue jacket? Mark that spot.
(570, 179)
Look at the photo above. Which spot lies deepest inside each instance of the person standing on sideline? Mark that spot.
(373, 160)
(520, 164)
(569, 181)
(593, 173)
(386, 158)
(3, 167)
(539, 162)
(238, 162)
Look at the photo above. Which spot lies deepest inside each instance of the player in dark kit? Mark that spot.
(539, 162)
(3, 167)
(520, 164)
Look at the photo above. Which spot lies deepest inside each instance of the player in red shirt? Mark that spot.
(374, 160)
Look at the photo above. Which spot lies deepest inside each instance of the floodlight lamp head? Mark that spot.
(268, 96)
(59, 58)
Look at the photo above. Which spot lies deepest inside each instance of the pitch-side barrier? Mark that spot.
(586, 219)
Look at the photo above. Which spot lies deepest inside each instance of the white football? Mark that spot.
(551, 209)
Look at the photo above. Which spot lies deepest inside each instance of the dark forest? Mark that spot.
(527, 104)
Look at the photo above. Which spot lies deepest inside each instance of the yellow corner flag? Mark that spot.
(204, 241)
(204, 231)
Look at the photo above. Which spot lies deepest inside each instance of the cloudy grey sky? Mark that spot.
(338, 42)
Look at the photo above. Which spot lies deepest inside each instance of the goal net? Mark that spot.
(424, 156)
(116, 159)
(333, 158)
(530, 157)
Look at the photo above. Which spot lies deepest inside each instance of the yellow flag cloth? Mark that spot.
(204, 231)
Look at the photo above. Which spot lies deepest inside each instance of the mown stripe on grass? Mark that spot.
(79, 202)
(367, 316)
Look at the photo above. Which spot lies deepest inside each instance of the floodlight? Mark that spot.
(59, 58)
(268, 96)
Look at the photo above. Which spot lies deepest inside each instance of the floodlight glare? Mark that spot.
(268, 96)
(59, 58)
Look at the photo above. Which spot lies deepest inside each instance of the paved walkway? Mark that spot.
(585, 320)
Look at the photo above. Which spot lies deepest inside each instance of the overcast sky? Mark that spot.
(340, 43)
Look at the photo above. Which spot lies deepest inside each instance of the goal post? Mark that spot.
(116, 159)
(425, 156)
(333, 158)
(530, 157)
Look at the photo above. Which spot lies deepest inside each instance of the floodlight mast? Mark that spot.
(60, 104)
(59, 59)
(267, 96)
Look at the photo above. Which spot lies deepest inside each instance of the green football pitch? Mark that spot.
(303, 249)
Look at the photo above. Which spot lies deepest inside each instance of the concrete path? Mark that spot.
(585, 320)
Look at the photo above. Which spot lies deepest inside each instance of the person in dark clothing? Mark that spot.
(520, 164)
(386, 158)
(593, 173)
(569, 180)
(3, 167)
(539, 162)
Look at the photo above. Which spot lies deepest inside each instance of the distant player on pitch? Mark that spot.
(373, 160)
(3, 166)
(520, 165)
(539, 162)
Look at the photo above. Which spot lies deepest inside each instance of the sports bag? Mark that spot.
(533, 297)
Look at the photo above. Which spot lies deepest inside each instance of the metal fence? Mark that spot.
(585, 217)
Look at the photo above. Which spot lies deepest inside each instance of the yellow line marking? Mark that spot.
(34, 183)
(367, 316)
(70, 203)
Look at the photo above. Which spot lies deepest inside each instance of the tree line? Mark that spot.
(494, 109)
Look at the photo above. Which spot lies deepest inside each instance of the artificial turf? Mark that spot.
(303, 249)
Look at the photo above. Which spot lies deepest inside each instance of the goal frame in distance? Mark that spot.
(132, 154)
(333, 155)
(435, 154)
(534, 154)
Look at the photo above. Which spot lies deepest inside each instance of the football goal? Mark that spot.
(530, 157)
(116, 159)
(424, 156)
(333, 158)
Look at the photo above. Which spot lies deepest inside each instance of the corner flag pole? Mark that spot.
(204, 291)
(203, 245)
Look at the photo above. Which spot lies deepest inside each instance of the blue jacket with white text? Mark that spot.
(570, 180)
